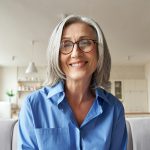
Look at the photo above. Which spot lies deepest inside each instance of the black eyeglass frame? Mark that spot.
(77, 42)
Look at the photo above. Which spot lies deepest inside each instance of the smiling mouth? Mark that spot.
(78, 64)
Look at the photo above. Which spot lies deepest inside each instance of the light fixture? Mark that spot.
(31, 67)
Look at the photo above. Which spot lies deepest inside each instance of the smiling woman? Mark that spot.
(73, 109)
(80, 61)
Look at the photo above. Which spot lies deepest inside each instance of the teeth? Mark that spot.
(77, 64)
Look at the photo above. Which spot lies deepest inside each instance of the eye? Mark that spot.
(84, 43)
(66, 44)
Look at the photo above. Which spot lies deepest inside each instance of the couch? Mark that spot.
(8, 134)
(138, 134)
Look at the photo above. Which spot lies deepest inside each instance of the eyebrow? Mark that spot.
(81, 37)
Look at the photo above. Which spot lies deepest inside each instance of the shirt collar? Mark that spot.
(101, 93)
(56, 92)
(57, 88)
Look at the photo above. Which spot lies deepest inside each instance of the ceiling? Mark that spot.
(125, 23)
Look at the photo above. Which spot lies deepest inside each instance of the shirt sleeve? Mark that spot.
(119, 134)
(26, 135)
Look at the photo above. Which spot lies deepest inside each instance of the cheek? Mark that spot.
(62, 62)
(94, 58)
(94, 63)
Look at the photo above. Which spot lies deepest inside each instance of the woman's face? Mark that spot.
(78, 65)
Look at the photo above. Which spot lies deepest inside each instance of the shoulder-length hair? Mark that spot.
(101, 76)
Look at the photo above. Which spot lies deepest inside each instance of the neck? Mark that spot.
(78, 91)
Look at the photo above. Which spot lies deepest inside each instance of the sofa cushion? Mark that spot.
(6, 133)
(129, 144)
(140, 129)
(15, 135)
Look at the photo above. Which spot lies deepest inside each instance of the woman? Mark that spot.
(73, 111)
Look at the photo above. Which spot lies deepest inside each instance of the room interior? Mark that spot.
(25, 30)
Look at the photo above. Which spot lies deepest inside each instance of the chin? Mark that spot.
(77, 77)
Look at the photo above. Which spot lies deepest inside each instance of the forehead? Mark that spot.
(79, 28)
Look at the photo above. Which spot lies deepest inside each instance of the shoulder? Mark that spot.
(109, 98)
(44, 94)
(111, 104)
(36, 96)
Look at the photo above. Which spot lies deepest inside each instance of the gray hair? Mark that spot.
(101, 76)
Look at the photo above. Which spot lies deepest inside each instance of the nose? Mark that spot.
(75, 52)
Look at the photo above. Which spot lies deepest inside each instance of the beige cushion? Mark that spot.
(15, 135)
(129, 144)
(6, 133)
(140, 129)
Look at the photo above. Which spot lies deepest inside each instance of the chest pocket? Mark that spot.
(53, 138)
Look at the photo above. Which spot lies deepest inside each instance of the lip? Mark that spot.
(78, 63)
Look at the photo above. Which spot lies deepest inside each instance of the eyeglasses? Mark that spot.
(86, 45)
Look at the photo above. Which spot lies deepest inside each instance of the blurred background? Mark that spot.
(25, 28)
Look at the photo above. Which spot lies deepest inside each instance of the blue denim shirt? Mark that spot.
(46, 122)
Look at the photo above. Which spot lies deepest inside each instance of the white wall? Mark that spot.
(8, 81)
(127, 72)
(134, 87)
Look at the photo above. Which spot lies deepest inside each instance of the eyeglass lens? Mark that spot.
(85, 45)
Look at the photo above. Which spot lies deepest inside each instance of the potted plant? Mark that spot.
(10, 94)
